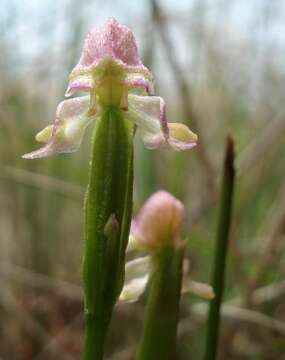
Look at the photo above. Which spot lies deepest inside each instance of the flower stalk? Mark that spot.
(108, 209)
(162, 309)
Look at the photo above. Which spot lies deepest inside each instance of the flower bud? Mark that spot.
(159, 221)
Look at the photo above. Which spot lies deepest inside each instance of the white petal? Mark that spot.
(203, 290)
(148, 112)
(137, 268)
(134, 289)
(145, 112)
(65, 135)
(136, 278)
(134, 245)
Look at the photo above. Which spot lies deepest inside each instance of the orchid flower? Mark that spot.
(157, 225)
(111, 73)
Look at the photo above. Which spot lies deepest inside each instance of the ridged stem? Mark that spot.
(162, 310)
(108, 209)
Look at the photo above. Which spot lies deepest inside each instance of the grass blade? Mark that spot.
(221, 250)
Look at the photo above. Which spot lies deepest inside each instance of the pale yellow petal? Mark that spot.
(45, 134)
(181, 132)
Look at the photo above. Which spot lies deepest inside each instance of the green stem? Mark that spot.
(162, 310)
(108, 209)
(221, 251)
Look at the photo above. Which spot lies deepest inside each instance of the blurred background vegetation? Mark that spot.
(220, 67)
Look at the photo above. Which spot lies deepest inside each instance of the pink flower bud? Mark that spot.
(159, 221)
